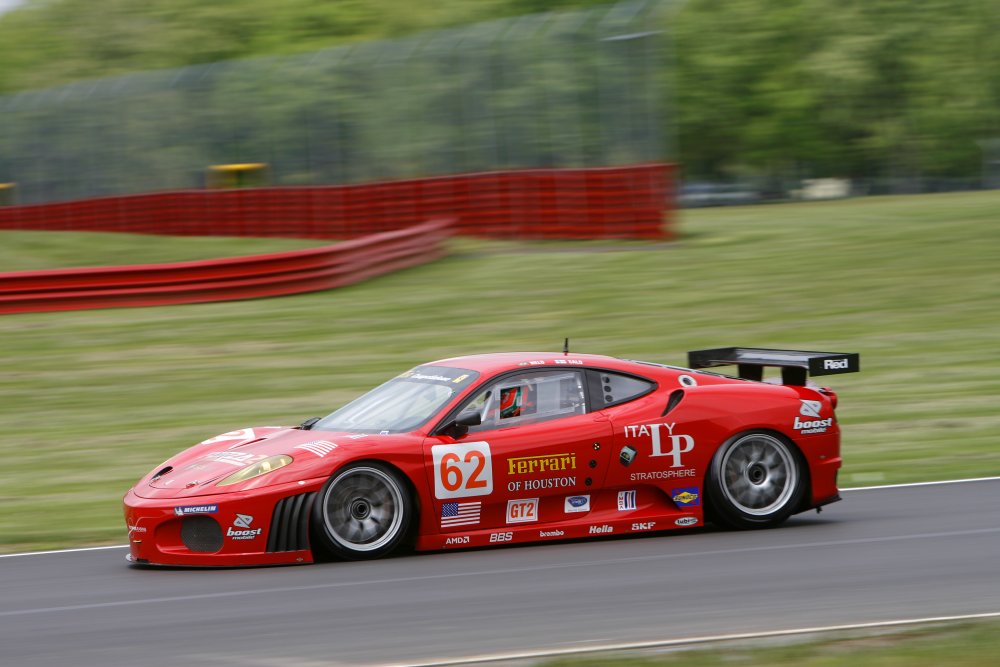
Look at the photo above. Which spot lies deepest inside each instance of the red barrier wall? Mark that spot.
(610, 202)
(228, 279)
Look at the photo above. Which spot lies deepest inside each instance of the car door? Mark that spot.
(537, 455)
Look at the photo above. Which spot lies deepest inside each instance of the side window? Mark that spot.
(609, 388)
(529, 398)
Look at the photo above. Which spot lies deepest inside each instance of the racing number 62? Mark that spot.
(462, 470)
(448, 469)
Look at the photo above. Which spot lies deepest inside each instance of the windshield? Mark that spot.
(401, 404)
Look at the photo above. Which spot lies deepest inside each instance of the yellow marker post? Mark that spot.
(242, 175)
(8, 194)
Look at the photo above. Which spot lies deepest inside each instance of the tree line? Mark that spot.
(753, 88)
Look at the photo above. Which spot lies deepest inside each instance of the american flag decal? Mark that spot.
(460, 514)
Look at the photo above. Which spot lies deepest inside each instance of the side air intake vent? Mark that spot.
(290, 524)
(673, 401)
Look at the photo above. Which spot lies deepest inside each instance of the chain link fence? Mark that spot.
(572, 89)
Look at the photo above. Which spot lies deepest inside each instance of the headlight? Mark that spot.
(270, 464)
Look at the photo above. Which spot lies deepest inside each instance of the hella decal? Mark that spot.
(601, 530)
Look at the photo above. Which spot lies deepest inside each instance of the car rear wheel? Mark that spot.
(364, 511)
(756, 480)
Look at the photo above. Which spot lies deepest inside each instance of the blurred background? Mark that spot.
(755, 99)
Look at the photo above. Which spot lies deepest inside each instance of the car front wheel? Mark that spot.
(363, 511)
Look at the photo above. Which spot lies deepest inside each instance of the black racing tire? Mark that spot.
(364, 511)
(756, 480)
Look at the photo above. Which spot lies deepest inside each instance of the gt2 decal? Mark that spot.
(524, 510)
(462, 470)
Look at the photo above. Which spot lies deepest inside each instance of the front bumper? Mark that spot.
(266, 526)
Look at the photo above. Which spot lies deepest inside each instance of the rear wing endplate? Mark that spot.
(795, 365)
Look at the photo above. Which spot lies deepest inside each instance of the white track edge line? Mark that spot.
(64, 551)
(667, 643)
(856, 488)
(938, 483)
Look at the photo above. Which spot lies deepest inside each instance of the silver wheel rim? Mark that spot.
(759, 474)
(363, 509)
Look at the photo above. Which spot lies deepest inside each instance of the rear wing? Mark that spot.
(795, 365)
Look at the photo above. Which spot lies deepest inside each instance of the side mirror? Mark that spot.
(461, 425)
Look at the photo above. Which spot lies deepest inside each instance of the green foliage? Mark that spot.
(852, 89)
(884, 88)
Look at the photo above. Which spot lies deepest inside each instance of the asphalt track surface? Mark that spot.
(882, 554)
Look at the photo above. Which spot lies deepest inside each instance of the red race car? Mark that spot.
(501, 449)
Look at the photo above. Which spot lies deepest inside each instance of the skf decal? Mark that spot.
(462, 470)
(524, 510)
(626, 500)
(686, 497)
(645, 525)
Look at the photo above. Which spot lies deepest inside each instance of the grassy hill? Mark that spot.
(93, 399)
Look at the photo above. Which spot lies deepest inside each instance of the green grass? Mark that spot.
(91, 400)
(35, 251)
(955, 645)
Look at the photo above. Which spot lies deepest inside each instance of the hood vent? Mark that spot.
(160, 473)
